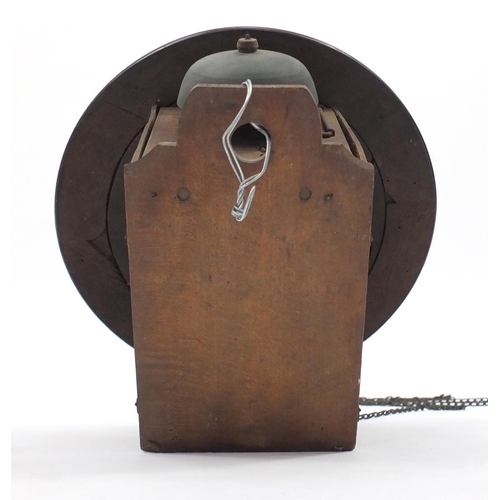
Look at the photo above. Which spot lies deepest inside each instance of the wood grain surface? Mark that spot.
(248, 335)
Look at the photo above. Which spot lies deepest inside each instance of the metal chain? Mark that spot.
(405, 405)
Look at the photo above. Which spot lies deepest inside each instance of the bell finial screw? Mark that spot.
(247, 44)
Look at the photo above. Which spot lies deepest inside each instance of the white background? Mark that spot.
(73, 381)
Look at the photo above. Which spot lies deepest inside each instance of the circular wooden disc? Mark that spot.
(90, 210)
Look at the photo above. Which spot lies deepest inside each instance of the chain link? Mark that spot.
(405, 405)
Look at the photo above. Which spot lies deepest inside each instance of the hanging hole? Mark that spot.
(248, 143)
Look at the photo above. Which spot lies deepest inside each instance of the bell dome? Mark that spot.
(262, 67)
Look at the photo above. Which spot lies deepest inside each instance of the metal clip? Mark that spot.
(240, 209)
